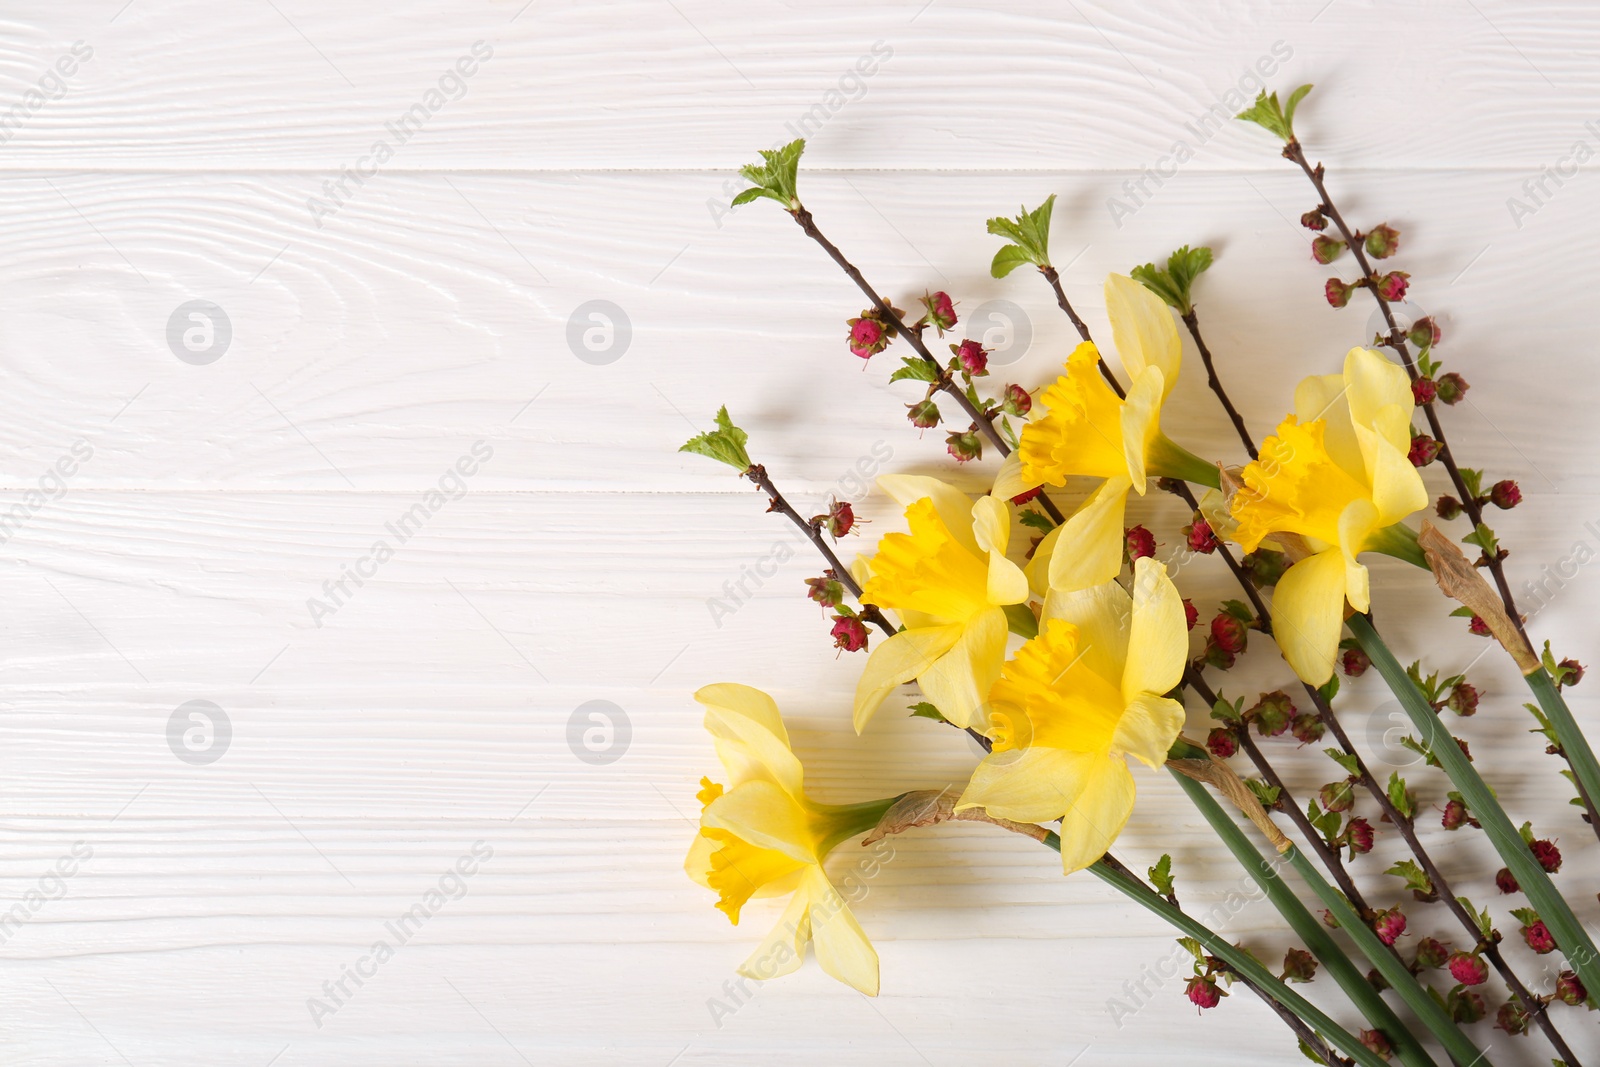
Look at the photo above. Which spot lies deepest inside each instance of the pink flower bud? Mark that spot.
(1337, 292)
(1432, 952)
(869, 335)
(1337, 796)
(1392, 286)
(840, 519)
(1572, 671)
(1359, 835)
(1466, 1005)
(1018, 401)
(964, 446)
(1029, 497)
(924, 414)
(1307, 729)
(1424, 391)
(1389, 925)
(1424, 333)
(941, 313)
(1325, 250)
(1314, 219)
(1538, 938)
(1383, 241)
(1447, 508)
(974, 358)
(1139, 543)
(1452, 388)
(1298, 965)
(1191, 614)
(1203, 992)
(1354, 662)
(1511, 1018)
(1468, 968)
(1477, 627)
(1221, 742)
(1377, 1044)
(1505, 494)
(849, 633)
(1547, 854)
(1424, 450)
(1200, 538)
(1505, 881)
(1464, 699)
(1455, 815)
(1569, 990)
(1230, 634)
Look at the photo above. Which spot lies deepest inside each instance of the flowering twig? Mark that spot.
(1192, 321)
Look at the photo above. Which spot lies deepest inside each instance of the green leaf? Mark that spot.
(1267, 794)
(1330, 688)
(1036, 520)
(1161, 875)
(1305, 1050)
(1462, 613)
(1400, 796)
(1473, 480)
(1525, 916)
(1173, 285)
(724, 444)
(1239, 610)
(1225, 712)
(924, 710)
(1009, 433)
(1485, 539)
(775, 177)
(1526, 830)
(917, 369)
(1348, 760)
(1417, 879)
(1485, 924)
(1273, 117)
(1029, 234)
(1195, 949)
(1020, 621)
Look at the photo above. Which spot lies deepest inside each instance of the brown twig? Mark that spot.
(1193, 323)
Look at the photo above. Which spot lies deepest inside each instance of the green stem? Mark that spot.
(1246, 965)
(1308, 927)
(1569, 933)
(1399, 977)
(1573, 744)
(1168, 459)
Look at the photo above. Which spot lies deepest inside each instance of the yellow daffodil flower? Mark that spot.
(1337, 477)
(949, 581)
(1083, 428)
(1076, 701)
(762, 837)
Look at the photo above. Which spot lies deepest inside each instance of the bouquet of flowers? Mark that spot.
(1058, 641)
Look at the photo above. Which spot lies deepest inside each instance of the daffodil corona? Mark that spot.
(1076, 701)
(949, 581)
(1333, 482)
(1085, 429)
(760, 836)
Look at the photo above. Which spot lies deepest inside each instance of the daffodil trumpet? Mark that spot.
(1083, 429)
(760, 835)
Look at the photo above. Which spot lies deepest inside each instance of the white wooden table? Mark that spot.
(189, 505)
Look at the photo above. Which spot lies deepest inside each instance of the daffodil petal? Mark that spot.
(1142, 329)
(841, 945)
(991, 526)
(697, 864)
(1089, 549)
(898, 660)
(954, 506)
(749, 735)
(1141, 421)
(1397, 487)
(1008, 480)
(1324, 396)
(765, 816)
(1308, 611)
(1102, 614)
(1147, 729)
(1158, 637)
(1098, 813)
(958, 682)
(784, 948)
(1038, 568)
(1028, 785)
(1375, 382)
(1357, 522)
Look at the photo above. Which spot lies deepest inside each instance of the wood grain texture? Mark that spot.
(169, 528)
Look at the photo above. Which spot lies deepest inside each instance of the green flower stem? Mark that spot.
(1573, 744)
(1432, 1014)
(1569, 933)
(838, 823)
(1310, 929)
(1399, 541)
(1244, 964)
(1168, 459)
